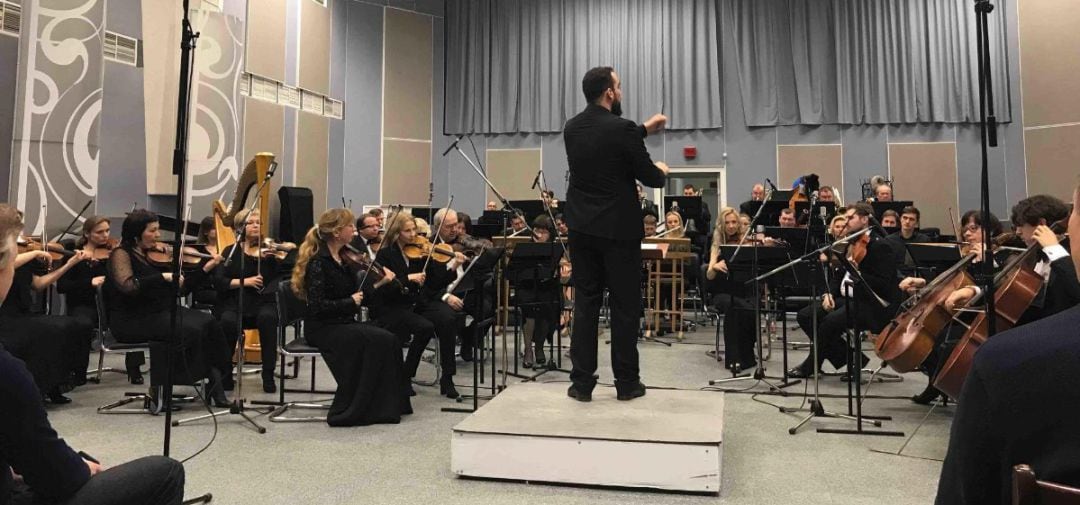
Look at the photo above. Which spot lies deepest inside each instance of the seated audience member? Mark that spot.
(36, 466)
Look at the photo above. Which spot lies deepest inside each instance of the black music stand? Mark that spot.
(803, 209)
(478, 274)
(881, 207)
(486, 230)
(933, 258)
(530, 208)
(770, 211)
(535, 262)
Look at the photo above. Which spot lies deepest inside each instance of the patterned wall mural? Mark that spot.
(215, 141)
(57, 111)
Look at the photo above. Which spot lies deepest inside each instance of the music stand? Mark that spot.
(534, 262)
(486, 230)
(795, 237)
(934, 258)
(476, 275)
(770, 211)
(881, 207)
(425, 213)
(490, 217)
(803, 209)
(530, 208)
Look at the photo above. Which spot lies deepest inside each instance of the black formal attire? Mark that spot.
(260, 306)
(806, 315)
(1019, 405)
(140, 303)
(649, 208)
(606, 154)
(364, 359)
(538, 295)
(52, 472)
(906, 266)
(417, 312)
(878, 269)
(477, 293)
(81, 301)
(362, 245)
(734, 299)
(56, 349)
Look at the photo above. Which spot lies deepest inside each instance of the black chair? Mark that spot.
(291, 311)
(1027, 490)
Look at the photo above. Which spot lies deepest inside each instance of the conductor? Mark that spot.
(606, 154)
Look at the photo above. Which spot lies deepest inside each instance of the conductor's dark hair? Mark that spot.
(135, 224)
(1031, 209)
(596, 81)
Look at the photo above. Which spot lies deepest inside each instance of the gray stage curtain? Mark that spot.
(516, 65)
(863, 61)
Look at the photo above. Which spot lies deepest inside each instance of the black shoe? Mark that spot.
(215, 393)
(631, 392)
(136, 378)
(800, 372)
(579, 394)
(269, 386)
(446, 388)
(928, 395)
(56, 398)
(227, 382)
(466, 354)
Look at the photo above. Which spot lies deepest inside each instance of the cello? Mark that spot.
(1015, 288)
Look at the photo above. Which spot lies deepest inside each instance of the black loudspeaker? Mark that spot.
(297, 213)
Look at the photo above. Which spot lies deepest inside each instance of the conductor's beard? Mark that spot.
(616, 108)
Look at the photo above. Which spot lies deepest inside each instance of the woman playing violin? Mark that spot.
(420, 310)
(80, 285)
(257, 274)
(731, 298)
(141, 299)
(55, 348)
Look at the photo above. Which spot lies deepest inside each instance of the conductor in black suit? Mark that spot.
(606, 154)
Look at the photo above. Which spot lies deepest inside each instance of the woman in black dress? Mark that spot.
(141, 298)
(364, 359)
(540, 299)
(81, 283)
(259, 277)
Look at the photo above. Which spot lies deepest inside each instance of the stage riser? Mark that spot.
(673, 467)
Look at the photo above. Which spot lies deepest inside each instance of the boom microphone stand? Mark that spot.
(988, 131)
(187, 56)
(237, 407)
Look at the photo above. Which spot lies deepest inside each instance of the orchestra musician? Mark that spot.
(539, 300)
(491, 205)
(730, 297)
(368, 235)
(828, 194)
(364, 359)
(462, 242)
(833, 273)
(673, 225)
(141, 299)
(56, 348)
(702, 221)
(908, 234)
(1019, 401)
(787, 218)
(380, 216)
(423, 310)
(206, 293)
(80, 285)
(517, 224)
(890, 219)
(647, 206)
(757, 194)
(878, 269)
(258, 275)
(650, 225)
(883, 193)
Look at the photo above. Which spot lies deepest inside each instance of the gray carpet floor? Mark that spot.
(410, 462)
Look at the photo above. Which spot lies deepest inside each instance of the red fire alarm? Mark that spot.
(689, 152)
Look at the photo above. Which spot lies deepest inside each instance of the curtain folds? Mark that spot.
(516, 65)
(812, 62)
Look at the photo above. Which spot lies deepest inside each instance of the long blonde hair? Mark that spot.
(681, 232)
(719, 235)
(397, 222)
(330, 222)
(10, 225)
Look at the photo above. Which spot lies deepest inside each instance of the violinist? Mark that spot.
(731, 297)
(258, 275)
(141, 299)
(1018, 404)
(56, 348)
(206, 294)
(517, 224)
(560, 225)
(81, 283)
(1032, 218)
(833, 274)
(424, 310)
(364, 359)
(878, 268)
(367, 234)
(461, 241)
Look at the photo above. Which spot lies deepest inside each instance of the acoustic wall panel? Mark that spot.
(1052, 155)
(406, 172)
(794, 161)
(513, 172)
(408, 68)
(266, 38)
(1048, 40)
(926, 174)
(263, 132)
(312, 156)
(314, 63)
(161, 60)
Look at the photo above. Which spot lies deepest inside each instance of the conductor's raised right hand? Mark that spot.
(655, 123)
(663, 167)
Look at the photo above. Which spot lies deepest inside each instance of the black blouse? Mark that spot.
(228, 270)
(134, 286)
(329, 286)
(20, 299)
(77, 283)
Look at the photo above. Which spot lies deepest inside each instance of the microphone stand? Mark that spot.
(988, 131)
(238, 403)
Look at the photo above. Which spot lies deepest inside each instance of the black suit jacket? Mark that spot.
(1061, 292)
(1019, 404)
(648, 207)
(438, 278)
(878, 268)
(606, 154)
(28, 444)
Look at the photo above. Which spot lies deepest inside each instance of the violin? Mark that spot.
(359, 263)
(161, 256)
(278, 250)
(56, 251)
(421, 248)
(102, 253)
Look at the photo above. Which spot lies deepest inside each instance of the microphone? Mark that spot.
(454, 144)
(536, 181)
(771, 185)
(271, 170)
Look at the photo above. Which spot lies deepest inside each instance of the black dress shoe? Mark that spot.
(269, 386)
(56, 398)
(928, 395)
(447, 389)
(136, 379)
(631, 392)
(578, 394)
(799, 373)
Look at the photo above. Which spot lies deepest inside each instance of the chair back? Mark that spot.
(103, 330)
(290, 308)
(1027, 490)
